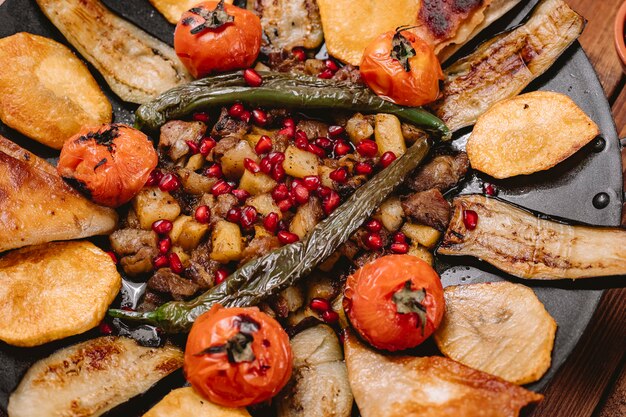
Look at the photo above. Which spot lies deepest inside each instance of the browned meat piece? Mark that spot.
(348, 73)
(225, 144)
(411, 133)
(313, 128)
(151, 301)
(140, 262)
(442, 173)
(349, 249)
(280, 142)
(347, 188)
(282, 61)
(429, 208)
(202, 268)
(259, 246)
(366, 258)
(314, 66)
(227, 126)
(165, 281)
(360, 236)
(220, 208)
(130, 241)
(175, 134)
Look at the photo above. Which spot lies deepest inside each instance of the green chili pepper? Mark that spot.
(280, 90)
(283, 267)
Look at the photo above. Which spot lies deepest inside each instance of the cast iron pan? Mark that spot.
(568, 190)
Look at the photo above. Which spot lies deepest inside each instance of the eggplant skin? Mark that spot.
(503, 66)
(521, 244)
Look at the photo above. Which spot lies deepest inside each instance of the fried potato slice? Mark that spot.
(406, 386)
(500, 328)
(172, 10)
(528, 133)
(55, 290)
(185, 402)
(48, 94)
(90, 378)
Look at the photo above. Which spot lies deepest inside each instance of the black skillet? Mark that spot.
(586, 188)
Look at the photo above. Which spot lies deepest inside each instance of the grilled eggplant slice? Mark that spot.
(527, 246)
(136, 66)
(91, 378)
(503, 66)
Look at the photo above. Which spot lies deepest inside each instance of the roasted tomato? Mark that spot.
(237, 357)
(395, 302)
(109, 164)
(402, 68)
(216, 37)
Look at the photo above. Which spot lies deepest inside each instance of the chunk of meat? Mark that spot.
(130, 241)
(258, 247)
(313, 128)
(140, 262)
(442, 173)
(151, 300)
(429, 208)
(225, 144)
(174, 137)
(348, 73)
(165, 281)
(202, 268)
(226, 126)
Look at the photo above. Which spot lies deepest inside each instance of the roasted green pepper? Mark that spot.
(279, 90)
(281, 268)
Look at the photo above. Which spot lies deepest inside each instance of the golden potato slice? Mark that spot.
(184, 402)
(48, 94)
(172, 10)
(500, 328)
(528, 133)
(55, 290)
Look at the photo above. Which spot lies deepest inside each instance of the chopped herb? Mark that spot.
(213, 19)
(409, 301)
(401, 49)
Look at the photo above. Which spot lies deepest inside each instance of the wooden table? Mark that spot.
(592, 382)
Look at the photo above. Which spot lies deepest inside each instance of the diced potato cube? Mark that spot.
(256, 184)
(182, 255)
(422, 234)
(191, 234)
(256, 130)
(260, 231)
(299, 163)
(252, 139)
(195, 183)
(152, 204)
(227, 242)
(177, 227)
(422, 253)
(304, 220)
(264, 204)
(195, 162)
(232, 160)
(293, 297)
(388, 133)
(324, 173)
(391, 214)
(358, 128)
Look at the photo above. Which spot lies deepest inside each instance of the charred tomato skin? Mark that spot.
(228, 377)
(370, 306)
(389, 79)
(110, 163)
(233, 45)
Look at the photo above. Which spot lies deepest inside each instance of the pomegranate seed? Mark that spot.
(387, 158)
(105, 328)
(324, 191)
(311, 182)
(326, 74)
(374, 241)
(289, 122)
(330, 203)
(289, 131)
(221, 187)
(112, 256)
(331, 65)
(367, 148)
(470, 219)
(206, 145)
(276, 158)
(169, 182)
(253, 78)
(316, 150)
(334, 131)
(490, 189)
(300, 193)
(285, 237)
(285, 205)
(319, 305)
(242, 195)
(165, 245)
(175, 264)
(248, 216)
(301, 140)
(278, 173)
(399, 237)
(339, 175)
(245, 116)
(342, 148)
(324, 143)
(160, 261)
(259, 117)
(270, 222)
(330, 317)
(221, 275)
(400, 248)
(162, 227)
(296, 181)
(203, 214)
(236, 110)
(299, 54)
(266, 165)
(214, 171)
(200, 117)
(280, 192)
(251, 166)
(234, 215)
(282, 225)
(363, 168)
(193, 147)
(154, 178)
(374, 225)
(264, 145)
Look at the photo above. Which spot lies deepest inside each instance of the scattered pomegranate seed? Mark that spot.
(161, 261)
(221, 275)
(314, 149)
(270, 222)
(253, 78)
(289, 131)
(266, 165)
(193, 147)
(221, 187)
(234, 215)
(165, 245)
(285, 237)
(278, 173)
(169, 182)
(280, 192)
(236, 110)
(105, 328)
(282, 225)
(301, 140)
(399, 237)
(400, 248)
(299, 54)
(490, 189)
(289, 122)
(331, 65)
(214, 171)
(331, 202)
(206, 145)
(324, 191)
(319, 305)
(330, 317)
(300, 193)
(363, 168)
(175, 264)
(339, 175)
(311, 182)
(374, 225)
(374, 241)
(259, 117)
(324, 143)
(154, 178)
(242, 195)
(245, 116)
(285, 205)
(162, 227)
(342, 148)
(367, 148)
(334, 131)
(387, 158)
(264, 145)
(113, 257)
(470, 219)
(251, 166)
(200, 117)
(203, 214)
(248, 216)
(276, 157)
(326, 74)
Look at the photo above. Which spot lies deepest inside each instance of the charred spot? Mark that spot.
(266, 343)
(466, 6)
(100, 163)
(168, 366)
(78, 185)
(26, 157)
(247, 324)
(187, 21)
